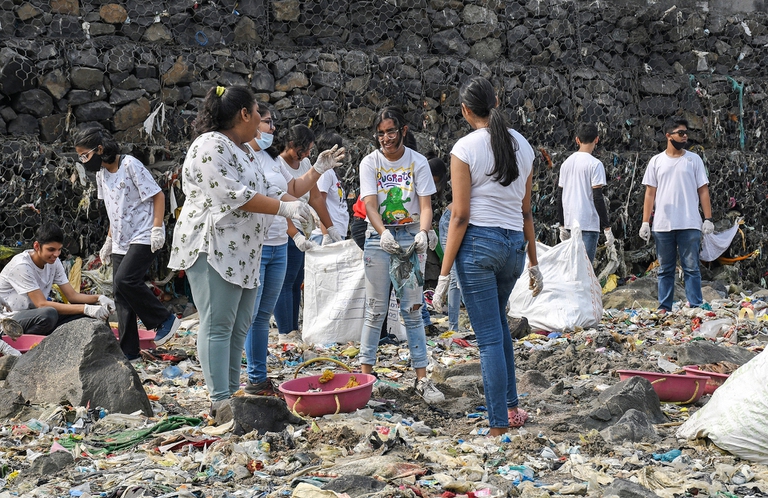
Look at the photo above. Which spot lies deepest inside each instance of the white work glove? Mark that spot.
(303, 244)
(388, 242)
(432, 236)
(565, 234)
(536, 282)
(707, 227)
(105, 301)
(609, 238)
(333, 235)
(105, 254)
(295, 210)
(645, 231)
(441, 292)
(97, 311)
(157, 240)
(329, 159)
(422, 242)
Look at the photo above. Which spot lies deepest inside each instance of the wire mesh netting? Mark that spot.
(141, 69)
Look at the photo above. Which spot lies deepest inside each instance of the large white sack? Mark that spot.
(713, 245)
(334, 293)
(736, 417)
(572, 296)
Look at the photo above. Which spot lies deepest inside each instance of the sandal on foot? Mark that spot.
(517, 418)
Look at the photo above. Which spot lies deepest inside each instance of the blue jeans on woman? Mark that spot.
(454, 294)
(287, 307)
(669, 245)
(271, 276)
(377, 280)
(225, 312)
(489, 262)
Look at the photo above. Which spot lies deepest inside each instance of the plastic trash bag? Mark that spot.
(405, 270)
(713, 245)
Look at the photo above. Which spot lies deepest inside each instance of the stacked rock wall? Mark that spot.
(140, 69)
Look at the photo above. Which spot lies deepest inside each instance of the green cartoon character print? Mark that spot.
(393, 210)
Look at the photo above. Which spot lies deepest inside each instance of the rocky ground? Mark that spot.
(400, 446)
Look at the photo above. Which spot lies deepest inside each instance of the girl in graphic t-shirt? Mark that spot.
(135, 207)
(396, 186)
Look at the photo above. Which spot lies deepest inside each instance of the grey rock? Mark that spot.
(23, 125)
(228, 79)
(56, 82)
(50, 464)
(445, 19)
(52, 127)
(659, 106)
(94, 111)
(157, 33)
(703, 352)
(11, 402)
(331, 80)
(86, 78)
(132, 114)
(282, 67)
(634, 393)
(151, 85)
(16, 72)
(261, 414)
(486, 50)
(632, 426)
(359, 119)
(532, 381)
(624, 488)
(354, 485)
(355, 63)
(79, 97)
(80, 363)
(292, 81)
(286, 10)
(450, 42)
(475, 14)
(120, 97)
(66, 27)
(659, 85)
(100, 28)
(6, 364)
(35, 102)
(246, 31)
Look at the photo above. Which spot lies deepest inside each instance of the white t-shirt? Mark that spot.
(397, 185)
(22, 276)
(127, 195)
(490, 203)
(677, 181)
(277, 175)
(335, 201)
(304, 166)
(579, 174)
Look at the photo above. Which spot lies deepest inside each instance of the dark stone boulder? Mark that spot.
(632, 426)
(634, 393)
(47, 465)
(80, 363)
(703, 352)
(628, 489)
(16, 72)
(261, 414)
(354, 485)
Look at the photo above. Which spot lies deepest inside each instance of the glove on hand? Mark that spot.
(707, 227)
(609, 238)
(422, 242)
(536, 283)
(99, 312)
(565, 234)
(105, 254)
(303, 244)
(105, 301)
(157, 240)
(329, 159)
(432, 235)
(388, 242)
(441, 292)
(295, 210)
(645, 231)
(333, 235)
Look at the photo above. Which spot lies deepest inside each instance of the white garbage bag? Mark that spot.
(713, 245)
(572, 296)
(334, 293)
(736, 417)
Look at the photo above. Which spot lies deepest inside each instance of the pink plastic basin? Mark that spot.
(146, 338)
(714, 379)
(25, 342)
(316, 404)
(672, 388)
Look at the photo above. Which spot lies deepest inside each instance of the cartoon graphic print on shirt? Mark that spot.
(397, 185)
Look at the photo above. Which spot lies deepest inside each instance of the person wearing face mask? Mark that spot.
(274, 250)
(135, 206)
(675, 184)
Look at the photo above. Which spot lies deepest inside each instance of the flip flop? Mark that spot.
(517, 418)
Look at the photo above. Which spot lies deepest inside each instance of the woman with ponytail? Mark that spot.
(491, 226)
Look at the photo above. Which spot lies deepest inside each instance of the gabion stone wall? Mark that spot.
(140, 69)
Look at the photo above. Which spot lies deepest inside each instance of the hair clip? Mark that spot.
(220, 91)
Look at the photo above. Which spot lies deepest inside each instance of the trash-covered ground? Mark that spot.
(397, 445)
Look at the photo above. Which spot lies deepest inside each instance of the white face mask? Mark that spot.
(264, 141)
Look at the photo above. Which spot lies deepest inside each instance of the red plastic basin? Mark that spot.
(316, 404)
(714, 379)
(671, 388)
(146, 338)
(25, 342)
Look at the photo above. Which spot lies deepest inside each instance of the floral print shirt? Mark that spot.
(217, 178)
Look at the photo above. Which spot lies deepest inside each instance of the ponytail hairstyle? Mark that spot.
(397, 116)
(479, 97)
(221, 107)
(298, 137)
(93, 136)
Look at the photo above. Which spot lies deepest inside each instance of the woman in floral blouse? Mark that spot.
(219, 233)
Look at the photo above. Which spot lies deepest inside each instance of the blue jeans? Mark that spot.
(489, 262)
(225, 311)
(590, 243)
(271, 276)
(377, 300)
(454, 294)
(669, 245)
(287, 307)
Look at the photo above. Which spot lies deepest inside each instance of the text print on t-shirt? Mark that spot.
(397, 184)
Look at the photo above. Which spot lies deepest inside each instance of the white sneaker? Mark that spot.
(8, 350)
(292, 337)
(429, 391)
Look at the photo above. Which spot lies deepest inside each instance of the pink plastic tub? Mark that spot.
(316, 404)
(714, 379)
(25, 342)
(146, 338)
(671, 388)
